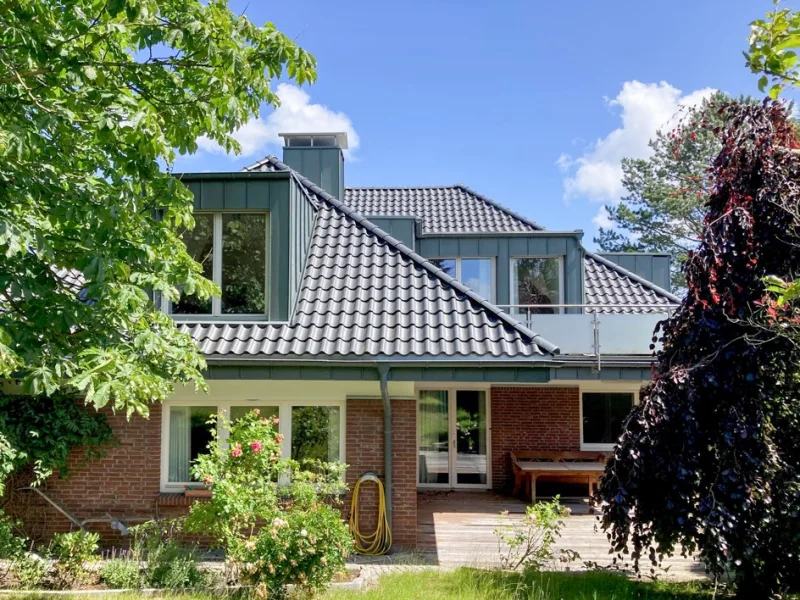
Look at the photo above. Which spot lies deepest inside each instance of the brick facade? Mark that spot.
(364, 452)
(531, 418)
(124, 483)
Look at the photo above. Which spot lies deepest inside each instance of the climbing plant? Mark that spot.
(709, 459)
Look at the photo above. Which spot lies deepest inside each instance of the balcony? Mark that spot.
(583, 329)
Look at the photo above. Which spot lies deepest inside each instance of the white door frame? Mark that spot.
(451, 421)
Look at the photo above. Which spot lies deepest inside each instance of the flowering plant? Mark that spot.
(275, 521)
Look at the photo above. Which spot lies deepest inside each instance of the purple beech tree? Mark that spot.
(709, 459)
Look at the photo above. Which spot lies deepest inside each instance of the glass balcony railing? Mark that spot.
(593, 329)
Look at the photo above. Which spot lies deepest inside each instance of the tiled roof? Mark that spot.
(265, 164)
(608, 283)
(365, 294)
(447, 209)
(458, 209)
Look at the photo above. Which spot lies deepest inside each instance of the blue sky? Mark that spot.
(531, 103)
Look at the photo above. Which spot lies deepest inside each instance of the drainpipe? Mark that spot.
(383, 373)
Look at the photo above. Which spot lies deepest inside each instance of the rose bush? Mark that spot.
(275, 521)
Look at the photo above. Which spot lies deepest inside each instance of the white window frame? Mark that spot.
(511, 293)
(492, 270)
(217, 267)
(284, 428)
(634, 389)
(451, 418)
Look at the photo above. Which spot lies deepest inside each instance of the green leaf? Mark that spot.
(90, 72)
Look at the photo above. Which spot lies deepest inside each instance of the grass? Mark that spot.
(473, 584)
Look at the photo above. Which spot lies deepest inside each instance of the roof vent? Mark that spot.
(315, 140)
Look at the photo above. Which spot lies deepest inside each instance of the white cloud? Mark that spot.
(644, 108)
(601, 219)
(296, 114)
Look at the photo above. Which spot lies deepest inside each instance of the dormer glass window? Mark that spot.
(475, 273)
(233, 251)
(535, 283)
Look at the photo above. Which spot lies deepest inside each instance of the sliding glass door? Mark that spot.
(453, 428)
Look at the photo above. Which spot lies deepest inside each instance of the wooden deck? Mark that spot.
(456, 528)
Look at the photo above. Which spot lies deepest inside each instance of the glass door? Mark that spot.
(434, 438)
(470, 437)
(453, 438)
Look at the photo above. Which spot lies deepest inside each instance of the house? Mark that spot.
(432, 321)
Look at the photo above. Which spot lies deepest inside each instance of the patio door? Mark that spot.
(453, 438)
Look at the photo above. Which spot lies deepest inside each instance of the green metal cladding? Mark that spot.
(504, 248)
(324, 166)
(291, 221)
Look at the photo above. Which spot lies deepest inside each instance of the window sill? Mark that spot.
(597, 447)
(232, 318)
(177, 499)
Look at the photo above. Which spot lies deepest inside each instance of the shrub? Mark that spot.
(168, 564)
(122, 573)
(30, 569)
(71, 552)
(267, 513)
(12, 546)
(529, 544)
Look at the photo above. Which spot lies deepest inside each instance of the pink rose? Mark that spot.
(276, 420)
(279, 438)
(237, 450)
(255, 446)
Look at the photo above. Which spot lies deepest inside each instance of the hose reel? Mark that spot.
(379, 541)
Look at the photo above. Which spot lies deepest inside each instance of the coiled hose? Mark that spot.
(380, 541)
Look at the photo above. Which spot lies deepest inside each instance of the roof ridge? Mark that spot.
(401, 187)
(258, 163)
(500, 207)
(631, 275)
(418, 259)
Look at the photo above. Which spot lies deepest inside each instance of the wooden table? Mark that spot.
(532, 469)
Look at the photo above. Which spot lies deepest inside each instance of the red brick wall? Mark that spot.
(531, 418)
(364, 452)
(124, 483)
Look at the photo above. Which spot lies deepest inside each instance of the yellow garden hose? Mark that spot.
(380, 540)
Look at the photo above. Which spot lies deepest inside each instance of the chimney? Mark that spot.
(319, 157)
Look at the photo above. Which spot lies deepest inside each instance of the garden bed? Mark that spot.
(350, 579)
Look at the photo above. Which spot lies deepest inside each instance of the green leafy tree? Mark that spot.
(667, 192)
(97, 97)
(772, 51)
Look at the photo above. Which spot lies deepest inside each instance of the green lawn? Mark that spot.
(472, 584)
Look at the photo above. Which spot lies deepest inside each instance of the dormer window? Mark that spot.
(232, 249)
(476, 273)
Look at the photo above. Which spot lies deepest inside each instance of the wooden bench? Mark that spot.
(573, 467)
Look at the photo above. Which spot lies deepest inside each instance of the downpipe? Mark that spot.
(383, 374)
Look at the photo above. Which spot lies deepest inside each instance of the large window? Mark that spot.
(535, 282)
(310, 431)
(603, 417)
(200, 245)
(476, 273)
(232, 248)
(316, 433)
